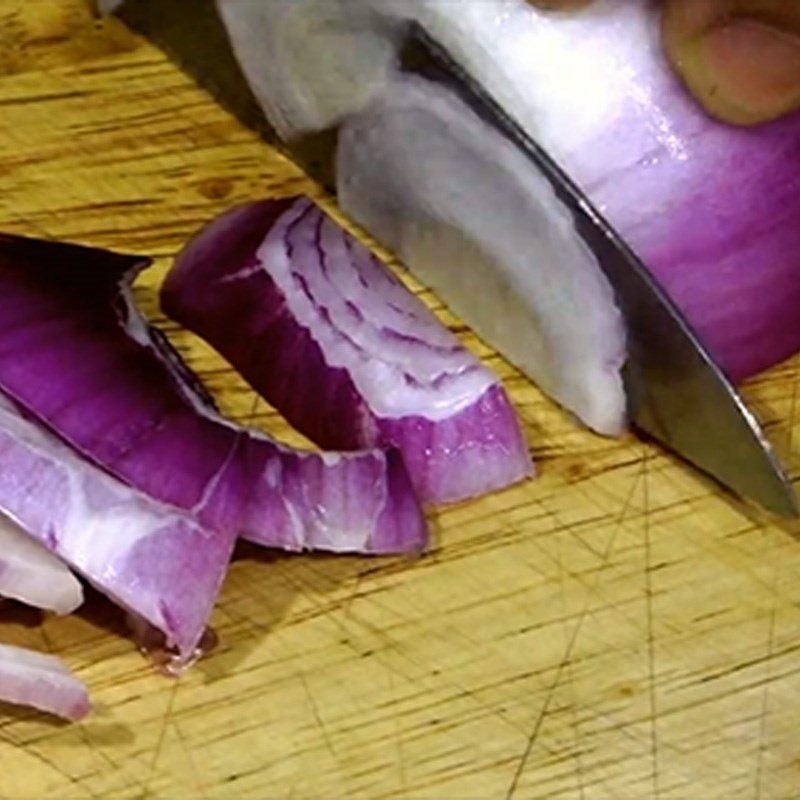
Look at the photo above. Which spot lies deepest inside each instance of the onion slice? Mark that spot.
(41, 681)
(467, 211)
(77, 354)
(32, 575)
(151, 559)
(328, 336)
(448, 194)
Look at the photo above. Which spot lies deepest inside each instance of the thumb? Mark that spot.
(740, 58)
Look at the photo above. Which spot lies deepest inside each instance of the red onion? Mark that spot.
(337, 344)
(714, 210)
(468, 212)
(151, 559)
(75, 352)
(41, 681)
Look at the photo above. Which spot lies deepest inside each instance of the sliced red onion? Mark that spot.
(151, 559)
(42, 682)
(77, 354)
(468, 212)
(713, 210)
(325, 332)
(32, 575)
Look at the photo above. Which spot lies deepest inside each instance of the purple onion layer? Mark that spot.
(75, 352)
(329, 337)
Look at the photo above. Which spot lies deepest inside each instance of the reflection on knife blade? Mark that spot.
(676, 393)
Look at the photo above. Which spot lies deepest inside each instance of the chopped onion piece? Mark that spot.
(77, 354)
(479, 224)
(335, 342)
(151, 559)
(42, 682)
(32, 575)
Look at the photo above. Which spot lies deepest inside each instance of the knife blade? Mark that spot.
(677, 395)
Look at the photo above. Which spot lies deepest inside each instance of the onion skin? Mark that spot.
(713, 210)
(75, 352)
(42, 682)
(330, 338)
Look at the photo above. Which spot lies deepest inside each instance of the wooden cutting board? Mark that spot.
(614, 629)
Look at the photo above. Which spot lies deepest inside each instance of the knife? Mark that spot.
(677, 395)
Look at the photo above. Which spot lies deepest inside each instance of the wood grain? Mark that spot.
(615, 629)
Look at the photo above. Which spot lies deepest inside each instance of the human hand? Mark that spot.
(740, 58)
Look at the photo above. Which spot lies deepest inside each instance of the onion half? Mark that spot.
(334, 341)
(712, 209)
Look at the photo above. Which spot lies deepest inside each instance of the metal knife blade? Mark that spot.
(677, 394)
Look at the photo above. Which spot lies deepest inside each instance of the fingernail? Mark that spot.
(753, 66)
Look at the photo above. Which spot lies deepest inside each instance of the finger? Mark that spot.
(740, 58)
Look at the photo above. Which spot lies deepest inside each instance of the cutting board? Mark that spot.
(616, 628)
